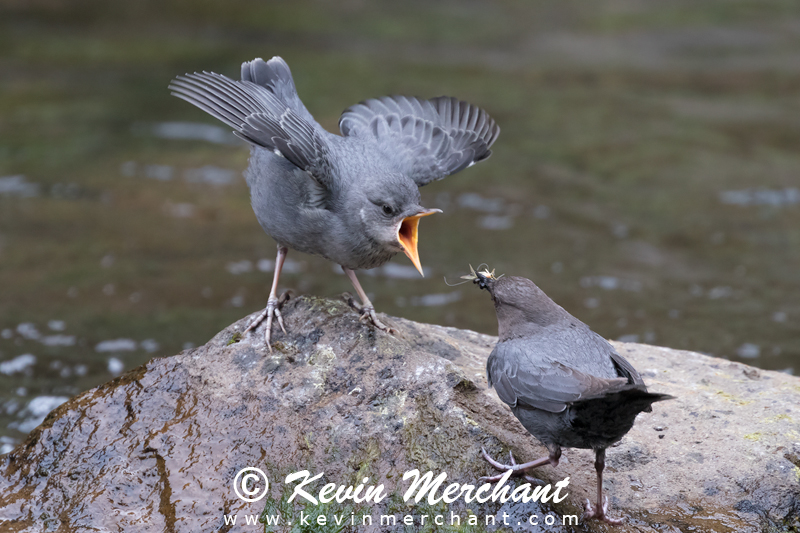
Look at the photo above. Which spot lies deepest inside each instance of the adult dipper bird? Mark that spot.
(566, 384)
(352, 199)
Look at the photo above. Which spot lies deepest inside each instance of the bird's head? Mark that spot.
(391, 215)
(521, 306)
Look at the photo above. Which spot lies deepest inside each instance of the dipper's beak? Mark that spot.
(407, 235)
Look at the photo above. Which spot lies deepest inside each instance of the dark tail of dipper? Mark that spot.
(610, 416)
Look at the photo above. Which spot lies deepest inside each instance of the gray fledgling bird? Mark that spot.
(352, 199)
(566, 384)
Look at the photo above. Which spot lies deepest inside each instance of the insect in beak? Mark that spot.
(481, 278)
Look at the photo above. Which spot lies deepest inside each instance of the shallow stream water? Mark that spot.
(647, 175)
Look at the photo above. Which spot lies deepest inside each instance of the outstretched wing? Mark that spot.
(259, 117)
(425, 139)
(275, 76)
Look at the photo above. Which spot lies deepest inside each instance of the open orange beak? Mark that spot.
(407, 235)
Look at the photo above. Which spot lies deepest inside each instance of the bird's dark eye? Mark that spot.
(387, 209)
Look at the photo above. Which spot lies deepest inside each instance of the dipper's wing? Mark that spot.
(425, 139)
(625, 369)
(259, 117)
(540, 382)
(275, 76)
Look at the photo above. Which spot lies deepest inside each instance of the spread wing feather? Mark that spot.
(425, 139)
(276, 76)
(259, 117)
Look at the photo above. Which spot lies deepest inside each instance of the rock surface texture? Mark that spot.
(158, 448)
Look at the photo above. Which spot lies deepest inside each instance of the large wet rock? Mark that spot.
(158, 448)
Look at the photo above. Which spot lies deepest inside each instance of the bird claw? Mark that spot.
(498, 466)
(368, 314)
(600, 513)
(273, 310)
(516, 470)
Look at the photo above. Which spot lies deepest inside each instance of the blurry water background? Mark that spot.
(647, 175)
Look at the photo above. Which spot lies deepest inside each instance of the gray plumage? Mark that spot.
(427, 139)
(567, 385)
(552, 370)
(347, 198)
(324, 194)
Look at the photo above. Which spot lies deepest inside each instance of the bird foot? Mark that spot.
(599, 513)
(368, 314)
(517, 470)
(273, 310)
